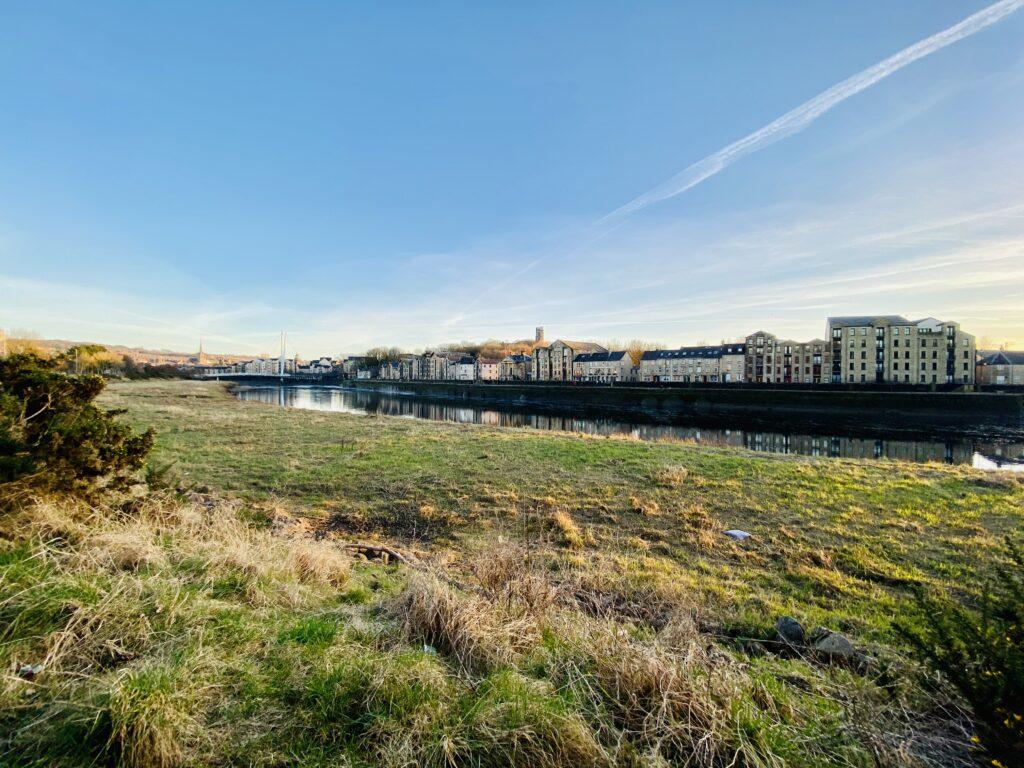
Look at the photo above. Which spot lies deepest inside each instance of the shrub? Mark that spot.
(981, 651)
(52, 434)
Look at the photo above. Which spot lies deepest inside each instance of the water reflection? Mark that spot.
(988, 454)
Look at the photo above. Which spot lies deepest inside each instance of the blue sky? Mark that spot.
(415, 173)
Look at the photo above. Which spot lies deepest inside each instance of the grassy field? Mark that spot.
(573, 601)
(833, 541)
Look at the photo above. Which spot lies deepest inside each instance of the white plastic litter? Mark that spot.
(737, 534)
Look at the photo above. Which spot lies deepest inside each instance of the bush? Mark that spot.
(53, 436)
(981, 651)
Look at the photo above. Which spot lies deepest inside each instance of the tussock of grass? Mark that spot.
(469, 627)
(567, 529)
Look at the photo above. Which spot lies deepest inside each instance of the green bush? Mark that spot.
(53, 436)
(981, 651)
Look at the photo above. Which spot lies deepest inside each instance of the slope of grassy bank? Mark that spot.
(573, 600)
(833, 540)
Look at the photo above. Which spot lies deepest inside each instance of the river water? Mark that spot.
(1004, 450)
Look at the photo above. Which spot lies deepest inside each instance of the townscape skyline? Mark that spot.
(378, 177)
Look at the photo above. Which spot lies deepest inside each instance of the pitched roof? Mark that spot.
(1004, 357)
(695, 352)
(859, 320)
(582, 346)
(600, 357)
(517, 358)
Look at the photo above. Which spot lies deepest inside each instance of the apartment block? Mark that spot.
(882, 349)
(771, 360)
(553, 362)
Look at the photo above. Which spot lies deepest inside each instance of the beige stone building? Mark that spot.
(516, 368)
(883, 349)
(716, 364)
(433, 366)
(1003, 368)
(553, 362)
(771, 360)
(602, 367)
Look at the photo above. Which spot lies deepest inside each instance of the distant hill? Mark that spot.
(139, 354)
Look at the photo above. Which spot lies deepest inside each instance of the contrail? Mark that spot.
(799, 118)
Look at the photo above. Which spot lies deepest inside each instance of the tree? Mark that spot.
(53, 436)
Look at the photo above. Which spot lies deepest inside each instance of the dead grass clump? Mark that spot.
(562, 522)
(644, 506)
(127, 549)
(319, 563)
(676, 704)
(701, 529)
(619, 598)
(507, 577)
(669, 477)
(479, 635)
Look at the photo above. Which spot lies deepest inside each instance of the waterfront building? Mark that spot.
(268, 366)
(515, 367)
(462, 368)
(881, 349)
(433, 366)
(1003, 368)
(605, 367)
(488, 370)
(716, 364)
(553, 362)
(771, 360)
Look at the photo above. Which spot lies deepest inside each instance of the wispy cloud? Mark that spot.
(797, 119)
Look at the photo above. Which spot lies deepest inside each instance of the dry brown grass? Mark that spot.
(571, 536)
(478, 633)
(669, 477)
(644, 506)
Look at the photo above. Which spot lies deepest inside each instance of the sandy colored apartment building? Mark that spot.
(553, 362)
(771, 360)
(884, 349)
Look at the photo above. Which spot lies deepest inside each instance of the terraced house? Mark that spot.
(553, 362)
(882, 349)
(605, 367)
(771, 360)
(722, 364)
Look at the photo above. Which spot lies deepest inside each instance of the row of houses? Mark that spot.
(862, 349)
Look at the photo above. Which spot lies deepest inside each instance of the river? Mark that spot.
(986, 451)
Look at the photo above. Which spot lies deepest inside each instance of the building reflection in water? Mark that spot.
(984, 455)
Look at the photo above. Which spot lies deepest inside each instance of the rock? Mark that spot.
(737, 534)
(832, 644)
(788, 630)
